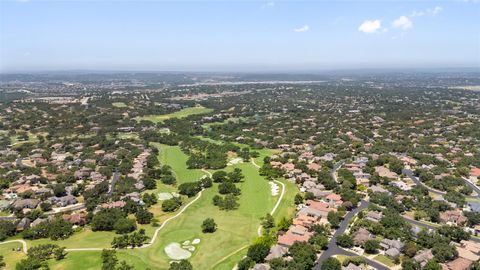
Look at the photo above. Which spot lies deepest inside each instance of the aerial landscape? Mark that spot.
(195, 148)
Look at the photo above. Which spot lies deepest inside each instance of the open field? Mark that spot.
(385, 260)
(179, 114)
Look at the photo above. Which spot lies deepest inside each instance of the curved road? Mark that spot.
(334, 249)
(417, 181)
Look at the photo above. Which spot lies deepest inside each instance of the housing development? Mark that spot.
(240, 171)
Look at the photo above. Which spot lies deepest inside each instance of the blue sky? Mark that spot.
(40, 35)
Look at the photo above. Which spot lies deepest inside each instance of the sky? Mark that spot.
(41, 35)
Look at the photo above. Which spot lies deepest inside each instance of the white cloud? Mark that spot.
(268, 4)
(403, 22)
(429, 11)
(370, 26)
(304, 28)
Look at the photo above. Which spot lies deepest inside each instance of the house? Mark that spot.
(454, 217)
(392, 247)
(385, 172)
(322, 207)
(352, 266)
(401, 185)
(313, 166)
(475, 173)
(334, 199)
(458, 264)
(261, 266)
(379, 189)
(304, 220)
(423, 257)
(26, 203)
(295, 233)
(116, 204)
(76, 219)
(374, 216)
(469, 250)
(23, 224)
(361, 236)
(63, 201)
(277, 251)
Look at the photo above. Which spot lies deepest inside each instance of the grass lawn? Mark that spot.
(119, 104)
(472, 199)
(10, 256)
(179, 114)
(385, 260)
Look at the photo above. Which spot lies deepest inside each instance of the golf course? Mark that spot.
(220, 250)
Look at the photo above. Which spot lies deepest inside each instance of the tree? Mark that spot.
(331, 264)
(104, 219)
(258, 252)
(125, 225)
(268, 222)
(245, 263)
(229, 202)
(371, 246)
(303, 254)
(345, 240)
(410, 249)
(409, 264)
(235, 176)
(2, 263)
(320, 242)
(168, 179)
(171, 205)
(209, 226)
(60, 253)
(206, 182)
(190, 189)
(432, 265)
(181, 265)
(298, 198)
(444, 252)
(334, 219)
(219, 176)
(227, 188)
(143, 216)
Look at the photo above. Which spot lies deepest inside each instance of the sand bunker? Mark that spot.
(196, 241)
(176, 252)
(274, 188)
(235, 161)
(164, 196)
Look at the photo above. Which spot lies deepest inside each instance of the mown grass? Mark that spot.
(179, 114)
(10, 254)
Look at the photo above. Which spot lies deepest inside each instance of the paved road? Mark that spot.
(334, 249)
(116, 177)
(417, 181)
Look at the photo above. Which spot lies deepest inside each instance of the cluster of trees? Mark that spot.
(172, 204)
(110, 261)
(37, 257)
(227, 188)
(135, 239)
(55, 229)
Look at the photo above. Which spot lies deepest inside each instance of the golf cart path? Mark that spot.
(24, 244)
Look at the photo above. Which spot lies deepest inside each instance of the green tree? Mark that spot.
(371, 246)
(209, 226)
(331, 264)
(181, 265)
(258, 252)
(432, 265)
(344, 240)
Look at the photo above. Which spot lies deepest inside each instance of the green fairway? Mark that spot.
(179, 114)
(119, 104)
(10, 254)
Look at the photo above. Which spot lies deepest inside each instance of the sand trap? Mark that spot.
(190, 248)
(164, 196)
(196, 241)
(235, 161)
(176, 252)
(274, 188)
(186, 243)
